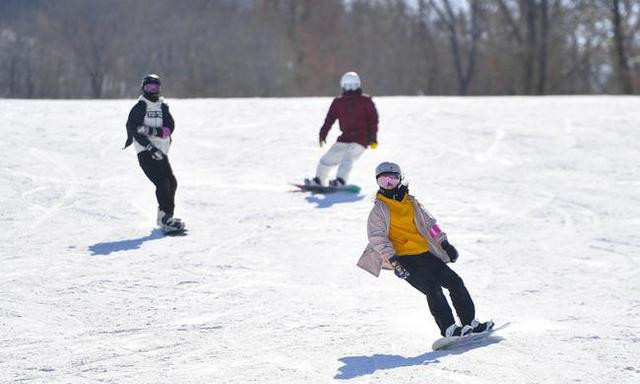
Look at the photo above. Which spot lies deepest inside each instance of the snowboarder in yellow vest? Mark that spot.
(404, 237)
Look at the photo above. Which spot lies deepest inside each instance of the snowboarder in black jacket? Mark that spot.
(149, 127)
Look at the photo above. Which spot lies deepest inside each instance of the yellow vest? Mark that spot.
(403, 232)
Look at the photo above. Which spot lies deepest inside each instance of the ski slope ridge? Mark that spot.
(539, 195)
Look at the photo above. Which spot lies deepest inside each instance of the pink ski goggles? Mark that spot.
(151, 88)
(389, 180)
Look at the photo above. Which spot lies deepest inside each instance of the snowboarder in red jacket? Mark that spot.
(358, 121)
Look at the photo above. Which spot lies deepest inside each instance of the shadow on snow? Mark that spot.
(355, 366)
(329, 199)
(123, 245)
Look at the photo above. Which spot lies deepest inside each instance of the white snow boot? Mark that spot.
(161, 215)
(456, 330)
(478, 327)
(169, 224)
(172, 224)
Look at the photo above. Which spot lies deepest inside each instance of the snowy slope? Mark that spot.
(540, 195)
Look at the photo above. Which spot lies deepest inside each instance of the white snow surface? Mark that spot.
(540, 196)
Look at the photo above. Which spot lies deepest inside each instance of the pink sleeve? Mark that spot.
(434, 230)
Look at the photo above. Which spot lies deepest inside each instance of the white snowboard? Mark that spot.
(454, 341)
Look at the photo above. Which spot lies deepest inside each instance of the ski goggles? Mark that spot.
(389, 180)
(151, 88)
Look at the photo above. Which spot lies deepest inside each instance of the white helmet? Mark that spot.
(350, 81)
(388, 167)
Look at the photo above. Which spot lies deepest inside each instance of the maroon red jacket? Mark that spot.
(357, 116)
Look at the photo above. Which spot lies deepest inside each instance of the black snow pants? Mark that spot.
(429, 275)
(161, 175)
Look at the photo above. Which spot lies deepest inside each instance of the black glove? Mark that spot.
(451, 250)
(156, 154)
(322, 141)
(398, 269)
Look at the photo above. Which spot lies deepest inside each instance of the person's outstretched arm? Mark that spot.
(328, 121)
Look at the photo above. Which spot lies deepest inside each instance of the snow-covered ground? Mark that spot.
(541, 196)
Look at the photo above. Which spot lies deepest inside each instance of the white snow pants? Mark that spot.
(344, 154)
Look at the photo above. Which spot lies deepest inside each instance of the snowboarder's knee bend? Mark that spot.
(453, 281)
(434, 292)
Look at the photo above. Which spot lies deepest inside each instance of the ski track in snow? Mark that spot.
(540, 196)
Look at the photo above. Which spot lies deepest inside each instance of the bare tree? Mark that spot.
(461, 28)
(585, 54)
(204, 48)
(428, 47)
(543, 47)
(86, 28)
(520, 17)
(531, 25)
(624, 74)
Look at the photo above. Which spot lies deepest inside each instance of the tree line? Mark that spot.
(282, 48)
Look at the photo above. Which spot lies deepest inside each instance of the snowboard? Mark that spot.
(349, 188)
(455, 341)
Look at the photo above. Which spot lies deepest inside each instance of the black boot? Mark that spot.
(456, 330)
(478, 327)
(315, 182)
(338, 182)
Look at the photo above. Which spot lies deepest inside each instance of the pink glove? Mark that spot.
(164, 132)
